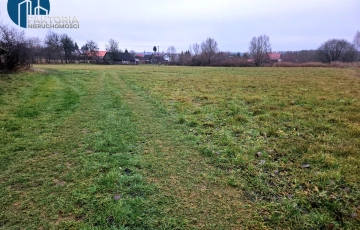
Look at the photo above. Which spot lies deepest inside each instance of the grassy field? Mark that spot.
(159, 147)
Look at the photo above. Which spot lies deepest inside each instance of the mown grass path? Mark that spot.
(192, 190)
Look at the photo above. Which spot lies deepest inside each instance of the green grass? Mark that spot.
(177, 147)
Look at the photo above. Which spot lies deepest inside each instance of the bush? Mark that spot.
(14, 49)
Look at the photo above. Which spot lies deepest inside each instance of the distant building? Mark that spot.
(119, 58)
(275, 57)
(98, 55)
(154, 59)
(89, 57)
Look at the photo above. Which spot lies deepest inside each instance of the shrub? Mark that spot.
(14, 51)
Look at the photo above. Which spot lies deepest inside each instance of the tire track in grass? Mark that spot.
(39, 109)
(71, 181)
(101, 167)
(192, 192)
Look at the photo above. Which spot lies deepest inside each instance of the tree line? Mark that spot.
(207, 53)
(18, 51)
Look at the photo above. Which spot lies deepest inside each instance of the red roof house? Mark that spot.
(98, 54)
(275, 57)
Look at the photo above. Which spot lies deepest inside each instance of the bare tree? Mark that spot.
(209, 49)
(196, 49)
(113, 48)
(54, 46)
(35, 50)
(68, 46)
(84, 50)
(14, 48)
(336, 50)
(259, 49)
(171, 52)
(92, 48)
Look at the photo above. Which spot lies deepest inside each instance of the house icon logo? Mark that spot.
(20, 10)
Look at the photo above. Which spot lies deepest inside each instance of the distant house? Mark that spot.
(275, 57)
(139, 58)
(272, 58)
(90, 57)
(119, 58)
(139, 55)
(158, 60)
(147, 59)
(97, 55)
(100, 54)
(154, 59)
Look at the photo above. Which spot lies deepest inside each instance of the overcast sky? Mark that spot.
(140, 24)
